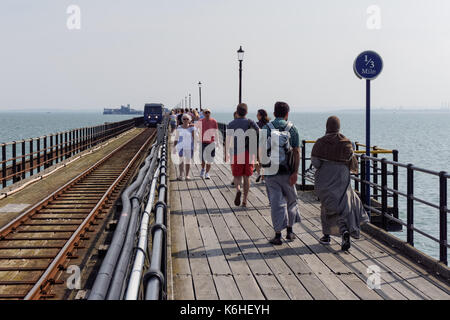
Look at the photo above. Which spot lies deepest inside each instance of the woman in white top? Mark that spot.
(184, 144)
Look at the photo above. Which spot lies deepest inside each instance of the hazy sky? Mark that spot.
(302, 52)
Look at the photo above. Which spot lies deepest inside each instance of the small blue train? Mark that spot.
(153, 114)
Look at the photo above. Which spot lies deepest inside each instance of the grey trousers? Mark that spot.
(283, 201)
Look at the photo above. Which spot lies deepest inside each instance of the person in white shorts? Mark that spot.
(184, 144)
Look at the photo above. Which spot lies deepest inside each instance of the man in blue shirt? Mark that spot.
(242, 155)
(281, 184)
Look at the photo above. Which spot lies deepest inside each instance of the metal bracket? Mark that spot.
(158, 226)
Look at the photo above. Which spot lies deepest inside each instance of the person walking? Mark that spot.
(242, 158)
(342, 212)
(263, 119)
(208, 131)
(173, 121)
(235, 116)
(184, 144)
(281, 179)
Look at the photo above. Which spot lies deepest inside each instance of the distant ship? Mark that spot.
(122, 110)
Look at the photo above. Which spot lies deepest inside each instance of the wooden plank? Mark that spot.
(323, 272)
(265, 278)
(359, 268)
(386, 258)
(359, 262)
(316, 287)
(233, 241)
(285, 276)
(226, 287)
(225, 284)
(182, 278)
(204, 287)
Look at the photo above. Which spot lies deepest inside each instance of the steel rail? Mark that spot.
(13, 224)
(62, 255)
(104, 276)
(52, 269)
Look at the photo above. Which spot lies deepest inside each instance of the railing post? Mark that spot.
(91, 139)
(51, 150)
(359, 174)
(66, 155)
(14, 162)
(395, 181)
(384, 198)
(70, 142)
(83, 139)
(443, 217)
(4, 165)
(410, 205)
(31, 158)
(362, 169)
(61, 147)
(24, 162)
(57, 148)
(303, 164)
(38, 153)
(375, 174)
(78, 140)
(356, 186)
(45, 153)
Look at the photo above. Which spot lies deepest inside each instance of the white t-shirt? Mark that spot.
(185, 139)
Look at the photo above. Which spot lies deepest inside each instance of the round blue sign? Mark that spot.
(368, 65)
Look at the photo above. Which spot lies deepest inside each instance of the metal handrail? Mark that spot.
(42, 152)
(155, 285)
(410, 198)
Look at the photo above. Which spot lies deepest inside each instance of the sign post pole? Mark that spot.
(368, 140)
(368, 65)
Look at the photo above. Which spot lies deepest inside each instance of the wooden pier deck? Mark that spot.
(220, 251)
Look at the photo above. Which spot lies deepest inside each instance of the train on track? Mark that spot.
(153, 114)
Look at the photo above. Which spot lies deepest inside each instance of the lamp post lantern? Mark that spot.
(200, 94)
(240, 53)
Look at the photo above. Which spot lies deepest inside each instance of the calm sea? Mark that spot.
(422, 138)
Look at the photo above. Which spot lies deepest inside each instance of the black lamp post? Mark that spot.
(200, 94)
(240, 53)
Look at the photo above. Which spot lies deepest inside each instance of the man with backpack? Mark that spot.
(283, 153)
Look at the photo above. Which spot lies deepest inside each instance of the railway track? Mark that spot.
(37, 246)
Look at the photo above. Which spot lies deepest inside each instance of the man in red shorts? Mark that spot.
(242, 133)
